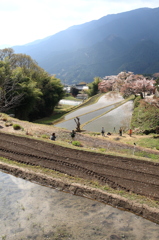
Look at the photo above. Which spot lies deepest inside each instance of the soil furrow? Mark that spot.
(141, 177)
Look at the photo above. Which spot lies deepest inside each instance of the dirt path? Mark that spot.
(141, 177)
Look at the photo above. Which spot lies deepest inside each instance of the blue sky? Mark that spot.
(26, 21)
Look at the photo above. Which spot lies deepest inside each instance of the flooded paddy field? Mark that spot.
(70, 124)
(70, 102)
(104, 101)
(31, 211)
(119, 117)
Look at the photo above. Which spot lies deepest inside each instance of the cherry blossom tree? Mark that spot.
(127, 84)
(106, 85)
(140, 86)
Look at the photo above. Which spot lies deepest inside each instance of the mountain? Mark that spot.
(127, 41)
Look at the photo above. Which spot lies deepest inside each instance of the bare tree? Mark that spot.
(9, 96)
(77, 121)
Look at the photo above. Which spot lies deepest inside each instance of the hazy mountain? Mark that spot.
(125, 41)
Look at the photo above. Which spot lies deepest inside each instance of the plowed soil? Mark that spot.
(141, 177)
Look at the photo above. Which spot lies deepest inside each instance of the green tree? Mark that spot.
(31, 94)
(26, 88)
(6, 53)
(93, 87)
(52, 91)
(74, 91)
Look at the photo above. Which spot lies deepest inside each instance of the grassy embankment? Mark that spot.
(145, 120)
(145, 116)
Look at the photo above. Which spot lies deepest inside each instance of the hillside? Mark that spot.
(126, 41)
(145, 118)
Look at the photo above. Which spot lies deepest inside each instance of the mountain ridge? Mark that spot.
(113, 43)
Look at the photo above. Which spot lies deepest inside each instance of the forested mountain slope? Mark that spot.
(127, 41)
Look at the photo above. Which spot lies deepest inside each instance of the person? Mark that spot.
(53, 137)
(103, 131)
(73, 134)
(120, 132)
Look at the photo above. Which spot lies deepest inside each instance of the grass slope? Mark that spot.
(145, 116)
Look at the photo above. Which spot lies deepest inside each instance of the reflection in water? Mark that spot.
(119, 117)
(70, 124)
(31, 211)
(21, 184)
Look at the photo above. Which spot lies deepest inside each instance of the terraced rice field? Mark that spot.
(104, 101)
(98, 115)
(119, 117)
(70, 124)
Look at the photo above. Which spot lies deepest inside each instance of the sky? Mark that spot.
(26, 21)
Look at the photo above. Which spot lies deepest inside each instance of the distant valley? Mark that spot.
(126, 41)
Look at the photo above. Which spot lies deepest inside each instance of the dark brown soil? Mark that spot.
(133, 175)
(140, 177)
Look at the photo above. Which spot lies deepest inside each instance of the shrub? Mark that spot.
(45, 136)
(148, 131)
(17, 127)
(77, 144)
(102, 149)
(137, 101)
(157, 130)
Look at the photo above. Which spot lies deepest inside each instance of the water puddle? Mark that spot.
(31, 211)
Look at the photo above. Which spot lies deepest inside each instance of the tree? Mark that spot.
(106, 85)
(127, 84)
(52, 92)
(140, 86)
(26, 88)
(31, 94)
(93, 87)
(9, 97)
(9, 89)
(74, 91)
(77, 121)
(6, 53)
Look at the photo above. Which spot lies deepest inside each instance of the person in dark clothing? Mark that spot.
(120, 132)
(73, 133)
(53, 137)
(103, 131)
